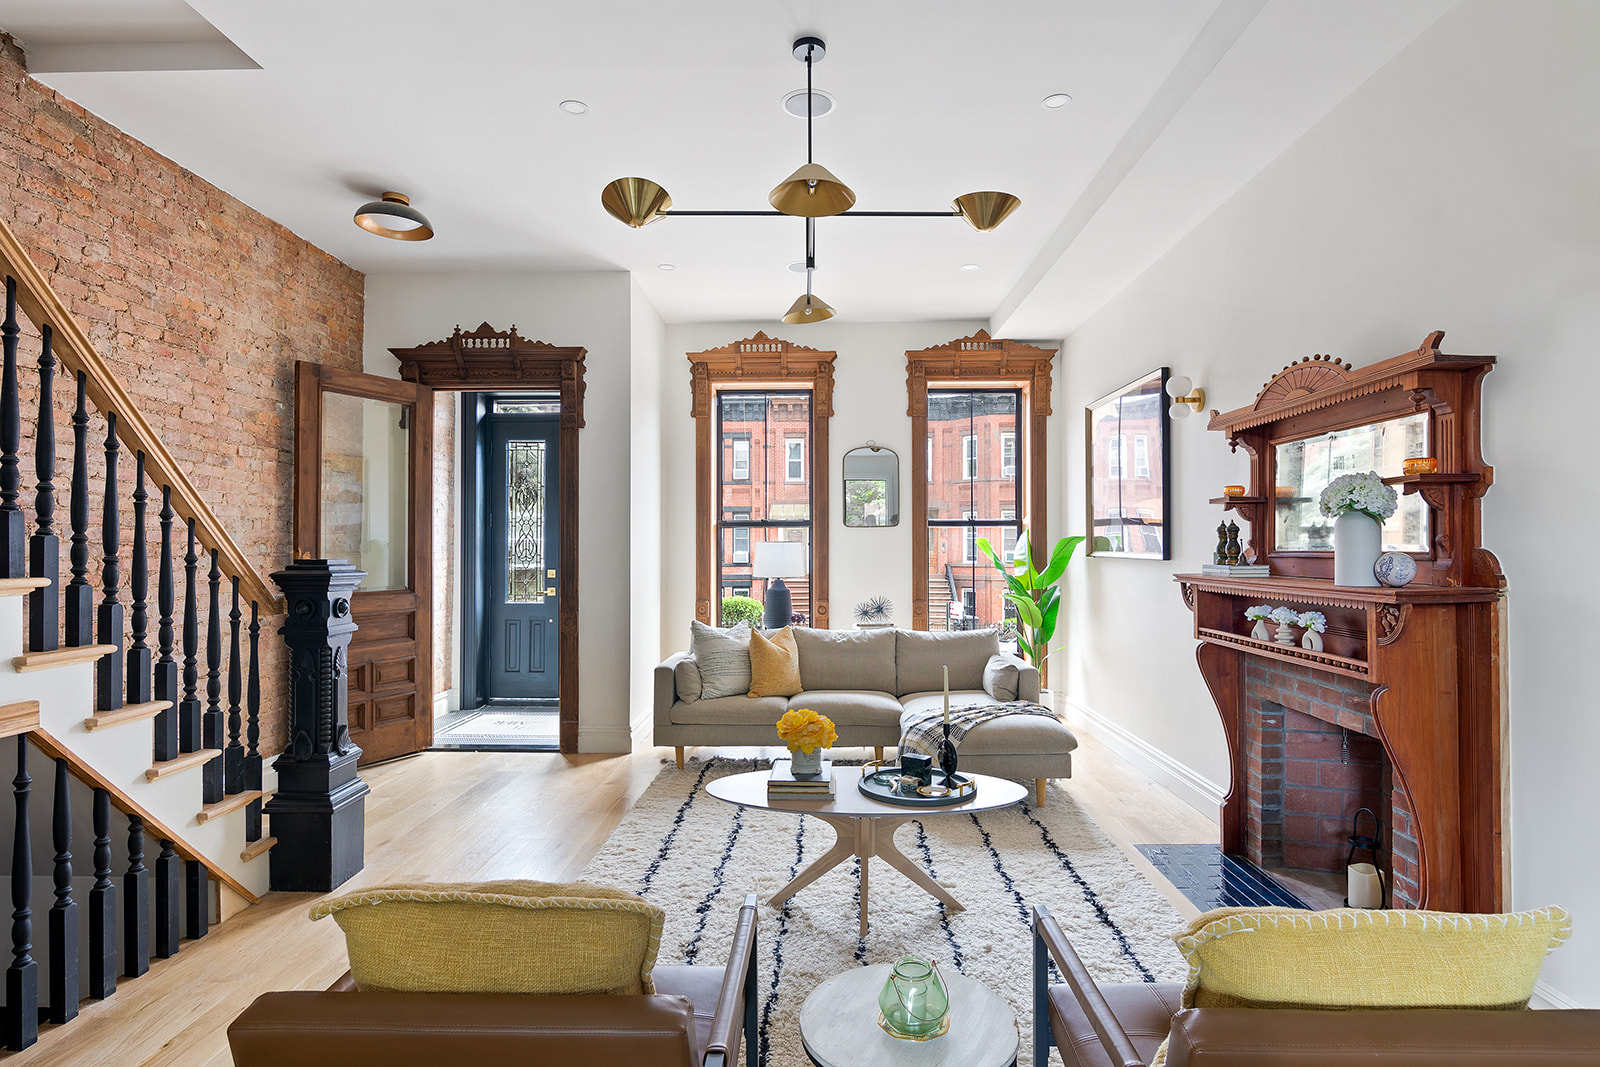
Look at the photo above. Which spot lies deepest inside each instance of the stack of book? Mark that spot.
(1236, 570)
(783, 783)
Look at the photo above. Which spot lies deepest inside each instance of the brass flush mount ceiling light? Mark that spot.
(811, 193)
(394, 217)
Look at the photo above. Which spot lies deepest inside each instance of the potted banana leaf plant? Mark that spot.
(1036, 594)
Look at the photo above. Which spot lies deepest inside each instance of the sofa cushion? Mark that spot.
(846, 659)
(850, 708)
(724, 659)
(1000, 676)
(731, 711)
(1010, 735)
(774, 664)
(1353, 958)
(686, 679)
(498, 937)
(920, 658)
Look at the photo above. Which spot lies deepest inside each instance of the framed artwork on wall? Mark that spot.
(1128, 455)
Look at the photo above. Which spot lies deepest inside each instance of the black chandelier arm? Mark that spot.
(841, 215)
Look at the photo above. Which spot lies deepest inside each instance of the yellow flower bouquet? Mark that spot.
(803, 730)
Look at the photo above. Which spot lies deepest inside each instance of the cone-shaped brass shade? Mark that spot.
(635, 201)
(812, 192)
(395, 218)
(807, 309)
(985, 211)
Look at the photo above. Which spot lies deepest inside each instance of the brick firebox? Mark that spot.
(1313, 760)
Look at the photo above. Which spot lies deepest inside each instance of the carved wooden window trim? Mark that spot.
(485, 360)
(978, 362)
(756, 362)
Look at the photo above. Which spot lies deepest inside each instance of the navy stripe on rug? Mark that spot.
(1089, 895)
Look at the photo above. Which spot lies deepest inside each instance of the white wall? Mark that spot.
(1456, 190)
(648, 339)
(594, 311)
(869, 402)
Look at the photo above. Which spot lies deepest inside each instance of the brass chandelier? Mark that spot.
(811, 192)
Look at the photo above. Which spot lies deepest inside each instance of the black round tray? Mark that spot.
(880, 785)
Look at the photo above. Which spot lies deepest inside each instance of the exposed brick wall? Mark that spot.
(1313, 759)
(200, 304)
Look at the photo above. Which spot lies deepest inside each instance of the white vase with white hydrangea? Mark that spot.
(1286, 618)
(1358, 504)
(1259, 614)
(1315, 625)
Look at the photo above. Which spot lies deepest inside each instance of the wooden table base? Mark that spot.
(865, 837)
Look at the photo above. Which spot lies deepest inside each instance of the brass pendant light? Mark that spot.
(812, 192)
(808, 308)
(635, 201)
(393, 216)
(985, 211)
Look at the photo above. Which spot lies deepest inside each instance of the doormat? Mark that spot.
(697, 857)
(536, 730)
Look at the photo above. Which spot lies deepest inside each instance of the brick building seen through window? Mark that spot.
(764, 487)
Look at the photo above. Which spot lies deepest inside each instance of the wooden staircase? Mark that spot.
(140, 745)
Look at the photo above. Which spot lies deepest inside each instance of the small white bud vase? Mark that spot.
(1285, 634)
(802, 762)
(1311, 640)
(1357, 544)
(1260, 632)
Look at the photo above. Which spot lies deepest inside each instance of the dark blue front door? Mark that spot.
(520, 554)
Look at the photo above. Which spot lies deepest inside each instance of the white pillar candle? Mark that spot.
(1365, 886)
(947, 694)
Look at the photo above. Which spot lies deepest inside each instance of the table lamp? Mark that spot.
(777, 560)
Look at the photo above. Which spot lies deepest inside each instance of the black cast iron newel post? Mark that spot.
(319, 809)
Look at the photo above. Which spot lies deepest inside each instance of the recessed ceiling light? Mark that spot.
(666, 266)
(1055, 101)
(798, 266)
(573, 107)
(969, 266)
(795, 103)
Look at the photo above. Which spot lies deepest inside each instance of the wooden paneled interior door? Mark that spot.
(363, 491)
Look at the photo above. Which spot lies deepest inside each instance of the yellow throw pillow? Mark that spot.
(774, 664)
(498, 937)
(1353, 958)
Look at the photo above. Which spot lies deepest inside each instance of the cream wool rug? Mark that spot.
(697, 857)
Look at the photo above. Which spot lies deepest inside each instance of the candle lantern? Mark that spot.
(1364, 882)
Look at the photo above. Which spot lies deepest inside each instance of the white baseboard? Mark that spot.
(615, 739)
(1193, 788)
(447, 701)
(1547, 998)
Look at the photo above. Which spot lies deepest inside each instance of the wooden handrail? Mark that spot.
(125, 804)
(73, 348)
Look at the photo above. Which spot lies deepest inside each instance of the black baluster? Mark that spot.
(233, 764)
(211, 775)
(189, 706)
(168, 898)
(108, 669)
(22, 977)
(136, 906)
(102, 905)
(63, 913)
(252, 759)
(13, 528)
(79, 593)
(139, 589)
(44, 547)
(166, 670)
(196, 899)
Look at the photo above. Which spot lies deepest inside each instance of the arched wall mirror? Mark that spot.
(871, 486)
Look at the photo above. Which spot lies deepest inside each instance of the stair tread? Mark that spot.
(232, 803)
(60, 657)
(182, 763)
(257, 848)
(125, 714)
(21, 586)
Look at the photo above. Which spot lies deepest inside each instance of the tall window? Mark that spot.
(764, 489)
(977, 498)
(1114, 458)
(1141, 456)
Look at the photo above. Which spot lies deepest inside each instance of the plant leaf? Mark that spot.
(1047, 629)
(1027, 610)
(1059, 560)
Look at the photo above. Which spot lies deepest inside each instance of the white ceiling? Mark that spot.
(1176, 103)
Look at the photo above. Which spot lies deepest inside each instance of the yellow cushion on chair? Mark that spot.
(498, 937)
(1355, 958)
(774, 664)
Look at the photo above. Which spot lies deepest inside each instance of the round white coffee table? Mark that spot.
(839, 1025)
(864, 827)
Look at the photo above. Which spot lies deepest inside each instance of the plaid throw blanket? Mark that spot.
(924, 731)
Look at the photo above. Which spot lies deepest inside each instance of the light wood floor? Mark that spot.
(468, 816)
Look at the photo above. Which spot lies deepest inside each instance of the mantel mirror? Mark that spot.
(1303, 468)
(871, 486)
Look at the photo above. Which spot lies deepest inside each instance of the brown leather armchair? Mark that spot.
(1123, 1025)
(694, 1019)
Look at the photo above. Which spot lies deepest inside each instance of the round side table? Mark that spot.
(839, 1025)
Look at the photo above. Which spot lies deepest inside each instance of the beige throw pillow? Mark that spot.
(774, 664)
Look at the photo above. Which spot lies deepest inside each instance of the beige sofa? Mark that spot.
(865, 681)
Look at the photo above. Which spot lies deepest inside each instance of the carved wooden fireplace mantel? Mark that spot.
(1426, 655)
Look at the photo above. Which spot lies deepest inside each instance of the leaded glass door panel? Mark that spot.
(520, 553)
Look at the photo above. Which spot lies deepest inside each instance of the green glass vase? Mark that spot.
(914, 1002)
